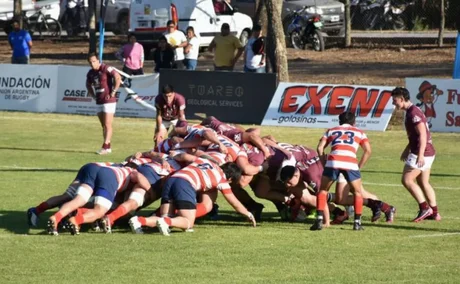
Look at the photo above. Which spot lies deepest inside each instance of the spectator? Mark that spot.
(178, 41)
(225, 46)
(254, 52)
(21, 43)
(132, 55)
(76, 15)
(163, 55)
(191, 50)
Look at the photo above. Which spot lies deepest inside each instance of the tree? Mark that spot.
(441, 25)
(92, 25)
(17, 11)
(261, 15)
(347, 24)
(276, 43)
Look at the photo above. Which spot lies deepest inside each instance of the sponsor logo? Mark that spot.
(76, 96)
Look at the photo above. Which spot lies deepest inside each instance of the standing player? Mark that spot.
(102, 83)
(344, 140)
(418, 157)
(170, 108)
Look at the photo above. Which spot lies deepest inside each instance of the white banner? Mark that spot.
(439, 99)
(72, 96)
(31, 88)
(319, 105)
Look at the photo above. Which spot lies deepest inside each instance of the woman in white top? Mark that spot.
(191, 50)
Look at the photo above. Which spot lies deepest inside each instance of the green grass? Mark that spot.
(39, 156)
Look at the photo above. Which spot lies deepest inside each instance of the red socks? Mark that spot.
(42, 208)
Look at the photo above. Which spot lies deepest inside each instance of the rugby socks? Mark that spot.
(200, 210)
(106, 146)
(321, 203)
(58, 217)
(423, 206)
(142, 221)
(385, 206)
(330, 197)
(167, 220)
(42, 208)
(117, 213)
(79, 219)
(358, 204)
(435, 210)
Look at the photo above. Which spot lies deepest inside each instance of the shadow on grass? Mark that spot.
(46, 150)
(400, 173)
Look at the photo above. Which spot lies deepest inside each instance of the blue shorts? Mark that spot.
(149, 173)
(87, 174)
(349, 175)
(106, 184)
(180, 192)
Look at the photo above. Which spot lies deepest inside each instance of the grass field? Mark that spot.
(39, 157)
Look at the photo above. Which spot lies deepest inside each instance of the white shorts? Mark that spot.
(341, 179)
(107, 108)
(167, 124)
(411, 161)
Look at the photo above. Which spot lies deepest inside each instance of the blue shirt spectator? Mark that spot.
(20, 42)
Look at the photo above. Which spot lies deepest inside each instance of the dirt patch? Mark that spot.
(387, 67)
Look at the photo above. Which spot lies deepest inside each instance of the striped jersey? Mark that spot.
(164, 146)
(345, 141)
(123, 176)
(157, 166)
(233, 150)
(204, 176)
(195, 131)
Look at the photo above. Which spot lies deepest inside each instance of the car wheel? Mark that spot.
(123, 25)
(244, 37)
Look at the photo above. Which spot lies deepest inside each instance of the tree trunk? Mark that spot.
(276, 43)
(17, 11)
(442, 24)
(92, 26)
(347, 24)
(261, 15)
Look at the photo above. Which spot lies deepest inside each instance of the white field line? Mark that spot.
(435, 235)
(400, 185)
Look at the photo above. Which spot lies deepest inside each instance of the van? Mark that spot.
(148, 19)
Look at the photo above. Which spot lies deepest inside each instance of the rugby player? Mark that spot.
(344, 141)
(418, 157)
(102, 83)
(179, 193)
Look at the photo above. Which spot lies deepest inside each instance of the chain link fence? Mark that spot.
(404, 22)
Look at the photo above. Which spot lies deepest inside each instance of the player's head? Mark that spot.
(347, 117)
(94, 61)
(131, 38)
(232, 172)
(400, 96)
(290, 176)
(168, 91)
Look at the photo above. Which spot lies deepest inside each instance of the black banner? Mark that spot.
(234, 97)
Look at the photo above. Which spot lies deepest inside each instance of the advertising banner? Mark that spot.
(28, 89)
(439, 99)
(72, 96)
(235, 97)
(319, 105)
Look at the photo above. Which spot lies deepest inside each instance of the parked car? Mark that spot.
(148, 19)
(332, 12)
(117, 16)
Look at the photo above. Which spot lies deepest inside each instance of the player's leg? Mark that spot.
(322, 210)
(33, 213)
(408, 179)
(423, 181)
(206, 204)
(161, 133)
(84, 193)
(263, 190)
(355, 182)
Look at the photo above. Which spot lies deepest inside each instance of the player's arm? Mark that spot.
(421, 131)
(117, 81)
(212, 45)
(367, 153)
(139, 179)
(320, 149)
(184, 158)
(273, 144)
(211, 136)
(159, 119)
(248, 169)
(90, 89)
(236, 204)
(255, 140)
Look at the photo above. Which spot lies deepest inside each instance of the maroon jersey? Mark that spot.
(311, 169)
(102, 82)
(227, 130)
(414, 116)
(298, 155)
(170, 111)
(254, 155)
